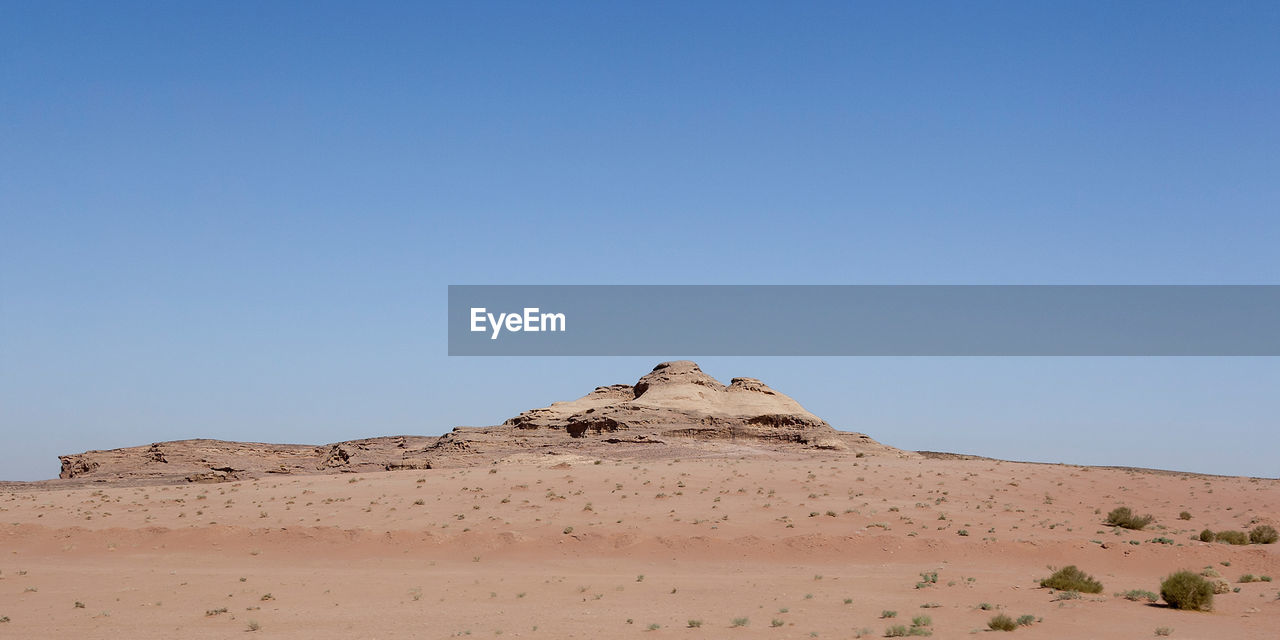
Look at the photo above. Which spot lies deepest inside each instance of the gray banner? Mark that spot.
(720, 320)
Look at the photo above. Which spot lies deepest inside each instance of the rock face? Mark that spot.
(674, 410)
(677, 399)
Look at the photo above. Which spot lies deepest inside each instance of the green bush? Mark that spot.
(1001, 622)
(1263, 534)
(1026, 621)
(1070, 578)
(1232, 537)
(1126, 518)
(1186, 590)
(1206, 536)
(896, 631)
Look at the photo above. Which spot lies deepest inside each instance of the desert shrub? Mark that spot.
(1070, 578)
(896, 631)
(1164, 631)
(1186, 590)
(1001, 622)
(1185, 515)
(1248, 577)
(694, 624)
(1126, 518)
(1026, 621)
(1231, 537)
(1140, 594)
(740, 622)
(888, 614)
(1206, 536)
(1263, 534)
(776, 622)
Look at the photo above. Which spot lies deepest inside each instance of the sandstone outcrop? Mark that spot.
(676, 410)
(677, 399)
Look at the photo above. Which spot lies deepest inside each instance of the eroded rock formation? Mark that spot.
(674, 410)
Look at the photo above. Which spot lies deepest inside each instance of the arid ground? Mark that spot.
(743, 541)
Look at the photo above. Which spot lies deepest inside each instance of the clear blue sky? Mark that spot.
(238, 220)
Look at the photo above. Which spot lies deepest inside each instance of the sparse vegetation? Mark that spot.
(694, 624)
(1186, 590)
(776, 622)
(1185, 515)
(740, 622)
(1124, 517)
(254, 626)
(1164, 631)
(1001, 622)
(1071, 578)
(1026, 620)
(888, 614)
(1206, 536)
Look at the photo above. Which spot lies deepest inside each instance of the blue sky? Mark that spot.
(238, 220)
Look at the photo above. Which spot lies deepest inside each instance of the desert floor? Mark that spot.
(761, 546)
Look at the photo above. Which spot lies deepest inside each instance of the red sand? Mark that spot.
(584, 550)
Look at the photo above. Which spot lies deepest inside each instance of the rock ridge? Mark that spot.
(675, 410)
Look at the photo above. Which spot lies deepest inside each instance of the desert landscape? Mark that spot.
(678, 506)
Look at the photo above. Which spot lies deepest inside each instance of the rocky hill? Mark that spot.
(676, 410)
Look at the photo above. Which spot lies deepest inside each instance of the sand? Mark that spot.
(786, 545)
